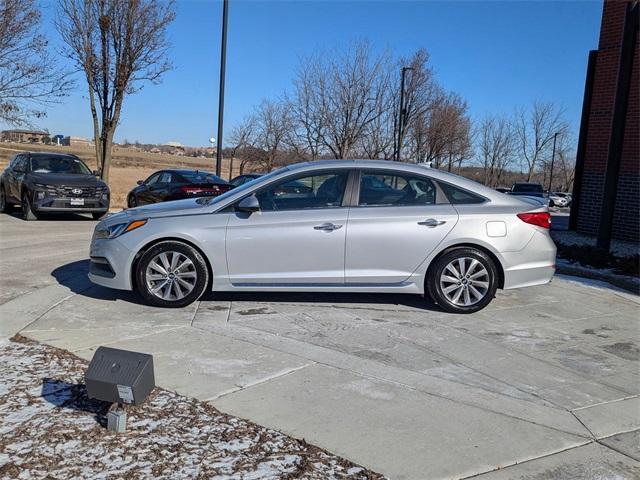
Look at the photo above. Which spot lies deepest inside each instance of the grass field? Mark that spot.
(128, 166)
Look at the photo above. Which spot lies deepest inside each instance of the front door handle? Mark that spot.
(327, 227)
(432, 222)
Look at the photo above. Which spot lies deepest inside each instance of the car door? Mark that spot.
(399, 220)
(159, 191)
(17, 175)
(298, 235)
(144, 192)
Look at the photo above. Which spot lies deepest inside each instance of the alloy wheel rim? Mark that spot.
(464, 281)
(171, 276)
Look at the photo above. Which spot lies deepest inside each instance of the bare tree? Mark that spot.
(535, 129)
(347, 94)
(273, 125)
(241, 137)
(29, 77)
(118, 45)
(496, 144)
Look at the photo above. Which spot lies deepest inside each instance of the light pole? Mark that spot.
(401, 112)
(553, 156)
(223, 61)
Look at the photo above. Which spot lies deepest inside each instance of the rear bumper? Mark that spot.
(535, 264)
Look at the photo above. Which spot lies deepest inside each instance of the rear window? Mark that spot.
(201, 177)
(459, 196)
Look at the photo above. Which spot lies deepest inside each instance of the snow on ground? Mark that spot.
(49, 428)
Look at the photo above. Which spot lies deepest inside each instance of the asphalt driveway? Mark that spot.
(543, 383)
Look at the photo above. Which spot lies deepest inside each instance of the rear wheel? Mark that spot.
(463, 280)
(171, 274)
(27, 210)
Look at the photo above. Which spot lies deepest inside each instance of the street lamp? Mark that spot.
(401, 112)
(223, 61)
(553, 156)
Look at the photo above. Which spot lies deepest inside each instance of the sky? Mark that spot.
(496, 54)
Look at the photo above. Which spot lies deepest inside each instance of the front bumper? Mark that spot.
(44, 202)
(110, 262)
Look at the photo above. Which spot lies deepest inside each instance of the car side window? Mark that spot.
(165, 177)
(20, 164)
(320, 190)
(459, 196)
(153, 178)
(382, 189)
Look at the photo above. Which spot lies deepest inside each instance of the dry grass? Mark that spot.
(128, 166)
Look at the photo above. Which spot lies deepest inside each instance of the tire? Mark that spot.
(27, 212)
(131, 202)
(466, 293)
(4, 206)
(97, 215)
(152, 273)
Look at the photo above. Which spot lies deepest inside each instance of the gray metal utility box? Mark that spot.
(120, 376)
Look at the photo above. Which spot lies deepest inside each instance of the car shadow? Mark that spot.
(63, 394)
(74, 276)
(48, 217)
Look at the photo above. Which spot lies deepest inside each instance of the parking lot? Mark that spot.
(543, 383)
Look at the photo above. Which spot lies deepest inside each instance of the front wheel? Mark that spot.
(3, 200)
(27, 211)
(171, 274)
(463, 280)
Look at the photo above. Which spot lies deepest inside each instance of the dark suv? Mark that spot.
(52, 183)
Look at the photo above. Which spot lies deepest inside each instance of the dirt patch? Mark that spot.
(625, 350)
(49, 428)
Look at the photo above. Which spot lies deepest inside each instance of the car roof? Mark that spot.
(51, 154)
(187, 170)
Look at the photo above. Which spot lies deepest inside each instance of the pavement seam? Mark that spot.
(125, 339)
(59, 302)
(260, 381)
(606, 403)
(404, 385)
(195, 312)
(616, 450)
(501, 468)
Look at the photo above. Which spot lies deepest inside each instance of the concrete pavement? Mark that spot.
(544, 383)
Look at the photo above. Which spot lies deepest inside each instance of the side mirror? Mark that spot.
(140, 182)
(249, 204)
(97, 173)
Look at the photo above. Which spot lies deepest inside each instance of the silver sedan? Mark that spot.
(331, 226)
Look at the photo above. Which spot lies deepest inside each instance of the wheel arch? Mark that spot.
(483, 249)
(147, 246)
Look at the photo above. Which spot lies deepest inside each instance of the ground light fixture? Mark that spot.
(122, 377)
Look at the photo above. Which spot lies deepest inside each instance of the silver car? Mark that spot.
(347, 226)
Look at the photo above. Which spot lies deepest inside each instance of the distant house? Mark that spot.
(76, 142)
(25, 136)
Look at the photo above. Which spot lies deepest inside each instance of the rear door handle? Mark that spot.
(327, 227)
(432, 222)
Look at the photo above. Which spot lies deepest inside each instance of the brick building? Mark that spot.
(607, 185)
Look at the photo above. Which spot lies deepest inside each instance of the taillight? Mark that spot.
(539, 219)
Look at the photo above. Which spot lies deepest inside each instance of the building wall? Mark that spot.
(627, 208)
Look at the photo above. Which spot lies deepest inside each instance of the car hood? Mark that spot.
(69, 180)
(189, 206)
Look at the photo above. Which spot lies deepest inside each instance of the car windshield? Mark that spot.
(201, 177)
(56, 164)
(241, 188)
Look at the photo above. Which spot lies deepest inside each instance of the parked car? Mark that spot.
(244, 178)
(559, 199)
(533, 191)
(424, 231)
(167, 185)
(52, 183)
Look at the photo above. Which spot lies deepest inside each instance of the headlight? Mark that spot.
(50, 189)
(118, 229)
